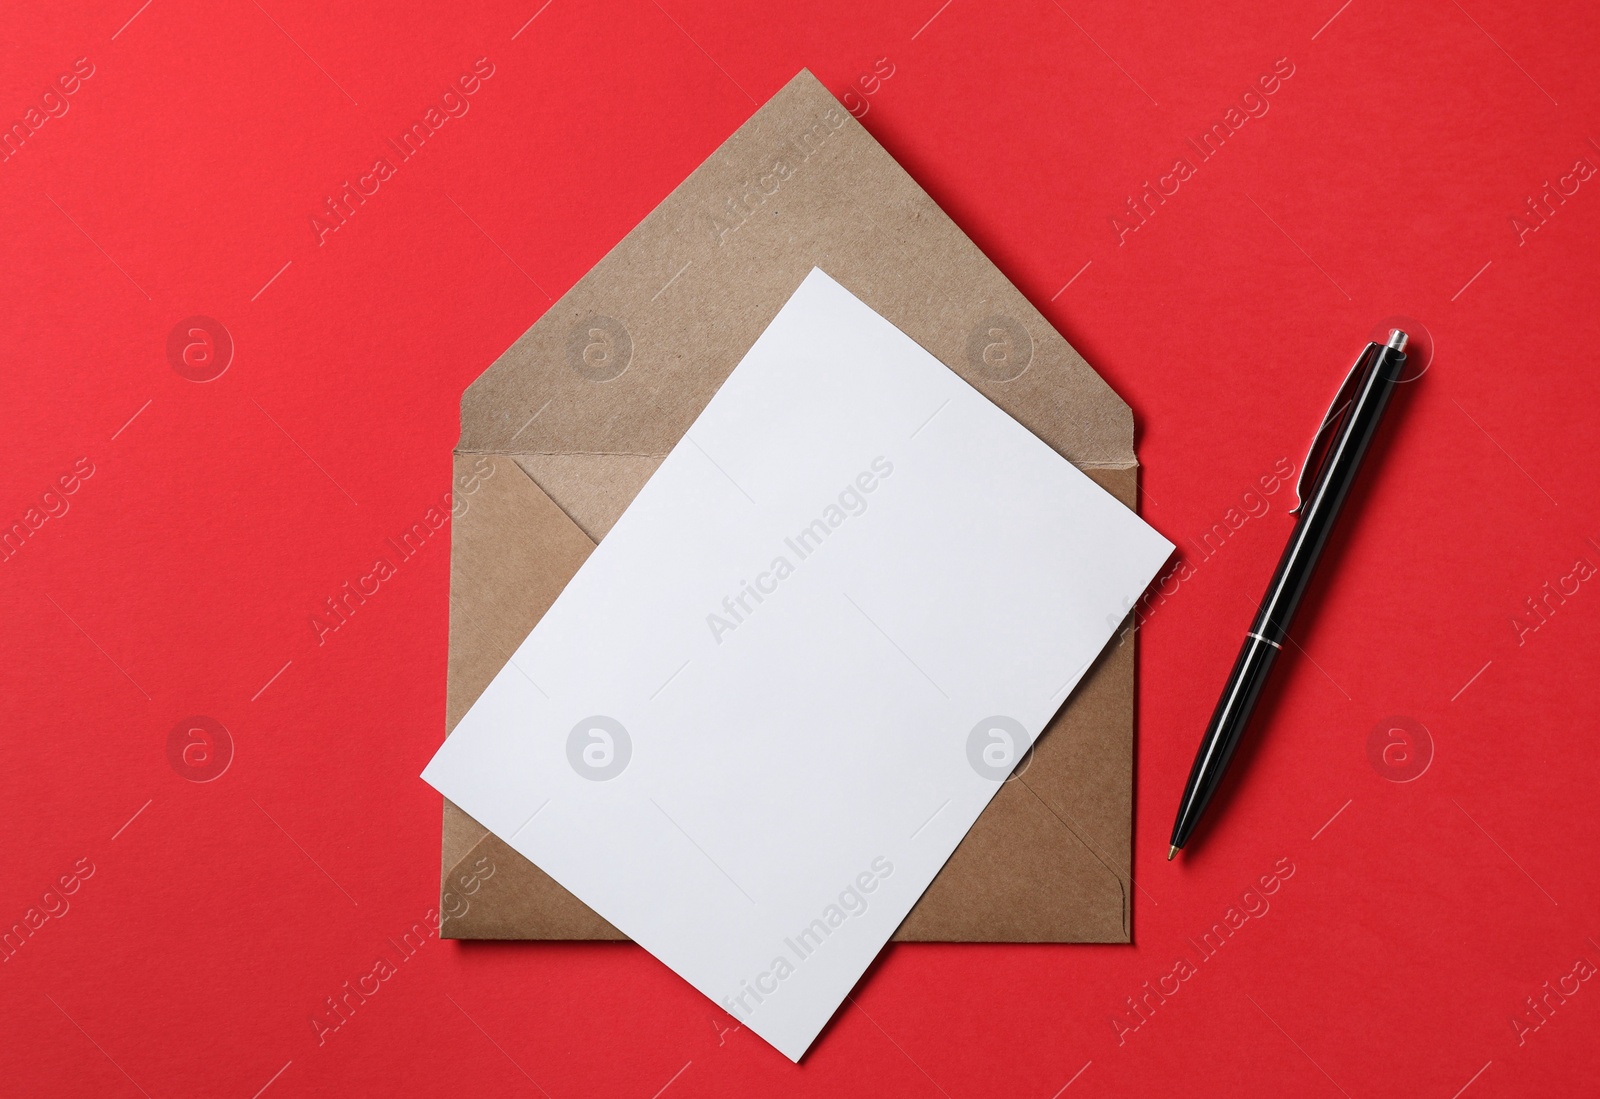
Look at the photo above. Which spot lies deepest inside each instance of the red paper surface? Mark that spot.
(1435, 937)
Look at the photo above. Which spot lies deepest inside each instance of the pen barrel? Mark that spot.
(1249, 676)
(1269, 631)
(1327, 496)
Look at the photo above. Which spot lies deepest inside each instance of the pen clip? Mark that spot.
(1330, 423)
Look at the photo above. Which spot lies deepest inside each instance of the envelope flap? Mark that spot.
(512, 550)
(630, 355)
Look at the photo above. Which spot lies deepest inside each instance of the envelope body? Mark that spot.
(561, 432)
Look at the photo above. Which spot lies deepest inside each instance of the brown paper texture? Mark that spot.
(561, 432)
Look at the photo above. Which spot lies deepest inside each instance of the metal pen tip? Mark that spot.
(1397, 339)
(1172, 854)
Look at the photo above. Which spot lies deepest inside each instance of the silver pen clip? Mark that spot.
(1336, 411)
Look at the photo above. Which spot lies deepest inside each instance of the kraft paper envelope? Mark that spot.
(562, 431)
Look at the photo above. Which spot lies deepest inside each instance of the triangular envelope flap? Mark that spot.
(512, 550)
(492, 892)
(1014, 876)
(633, 352)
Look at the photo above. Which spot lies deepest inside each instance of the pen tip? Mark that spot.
(1172, 854)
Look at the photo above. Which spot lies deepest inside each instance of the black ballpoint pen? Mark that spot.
(1342, 441)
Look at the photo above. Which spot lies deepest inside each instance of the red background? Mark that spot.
(1382, 181)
